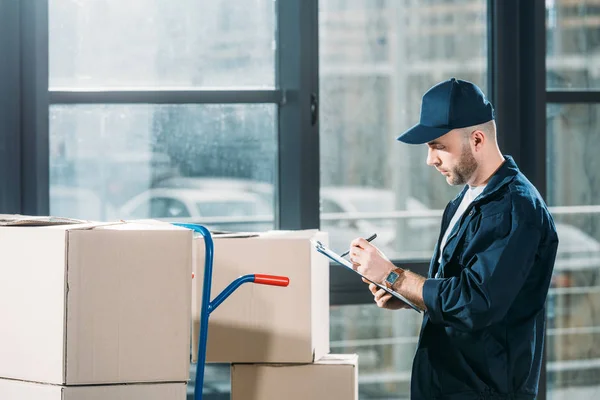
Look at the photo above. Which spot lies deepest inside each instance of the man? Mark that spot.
(482, 335)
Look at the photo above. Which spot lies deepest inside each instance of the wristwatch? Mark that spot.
(393, 277)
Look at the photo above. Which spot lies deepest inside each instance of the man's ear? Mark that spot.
(477, 139)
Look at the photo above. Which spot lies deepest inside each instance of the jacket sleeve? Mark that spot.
(485, 289)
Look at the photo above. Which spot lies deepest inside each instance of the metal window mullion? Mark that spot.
(35, 152)
(519, 79)
(160, 96)
(10, 108)
(519, 71)
(534, 53)
(533, 92)
(533, 106)
(298, 144)
(505, 65)
(491, 51)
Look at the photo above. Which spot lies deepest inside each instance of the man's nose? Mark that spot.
(432, 159)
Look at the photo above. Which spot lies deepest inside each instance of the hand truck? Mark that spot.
(208, 306)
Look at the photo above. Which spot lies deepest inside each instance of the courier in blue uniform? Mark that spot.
(483, 332)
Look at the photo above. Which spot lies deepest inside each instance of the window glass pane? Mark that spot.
(149, 43)
(385, 342)
(212, 163)
(573, 44)
(377, 59)
(574, 299)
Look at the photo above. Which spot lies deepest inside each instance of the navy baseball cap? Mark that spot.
(449, 105)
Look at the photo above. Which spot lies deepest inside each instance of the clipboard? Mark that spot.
(321, 248)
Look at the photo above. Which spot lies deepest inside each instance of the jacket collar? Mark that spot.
(505, 174)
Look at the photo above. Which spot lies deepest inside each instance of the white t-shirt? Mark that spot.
(470, 195)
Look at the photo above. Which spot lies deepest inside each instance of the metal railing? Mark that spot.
(388, 215)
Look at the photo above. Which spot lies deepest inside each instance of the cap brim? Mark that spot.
(420, 134)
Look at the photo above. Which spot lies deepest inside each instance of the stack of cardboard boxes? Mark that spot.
(95, 312)
(102, 311)
(277, 339)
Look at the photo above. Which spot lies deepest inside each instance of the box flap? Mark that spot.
(71, 226)
(139, 226)
(300, 234)
(30, 220)
(81, 227)
(114, 225)
(274, 234)
(219, 234)
(328, 359)
(338, 359)
(235, 235)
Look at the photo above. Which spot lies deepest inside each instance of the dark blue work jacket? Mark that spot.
(483, 333)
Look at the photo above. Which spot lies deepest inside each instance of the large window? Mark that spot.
(574, 300)
(573, 191)
(169, 161)
(178, 110)
(377, 58)
(214, 111)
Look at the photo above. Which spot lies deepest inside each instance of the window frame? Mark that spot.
(551, 96)
(517, 89)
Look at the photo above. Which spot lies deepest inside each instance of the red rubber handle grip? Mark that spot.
(271, 280)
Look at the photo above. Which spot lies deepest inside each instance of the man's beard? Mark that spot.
(467, 165)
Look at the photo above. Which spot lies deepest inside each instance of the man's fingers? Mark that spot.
(360, 243)
(379, 293)
(373, 288)
(354, 256)
(355, 243)
(381, 302)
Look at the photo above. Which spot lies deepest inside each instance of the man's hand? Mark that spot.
(369, 261)
(384, 299)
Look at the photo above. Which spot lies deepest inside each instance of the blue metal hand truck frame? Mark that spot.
(207, 306)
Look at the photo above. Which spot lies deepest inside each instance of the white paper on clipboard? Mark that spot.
(346, 263)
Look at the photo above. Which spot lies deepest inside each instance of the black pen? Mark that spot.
(373, 236)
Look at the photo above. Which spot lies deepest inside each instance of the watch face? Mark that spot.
(391, 278)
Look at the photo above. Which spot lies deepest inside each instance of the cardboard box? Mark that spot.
(95, 303)
(20, 390)
(259, 323)
(334, 377)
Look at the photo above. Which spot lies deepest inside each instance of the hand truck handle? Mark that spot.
(271, 280)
